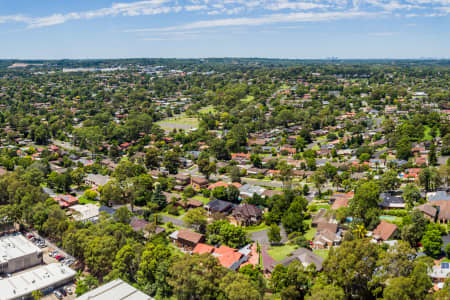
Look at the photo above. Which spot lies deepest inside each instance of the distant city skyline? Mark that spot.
(314, 29)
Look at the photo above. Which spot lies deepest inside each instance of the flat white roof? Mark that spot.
(116, 289)
(36, 279)
(85, 211)
(14, 246)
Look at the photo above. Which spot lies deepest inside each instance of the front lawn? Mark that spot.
(205, 200)
(281, 252)
(255, 228)
(322, 252)
(83, 200)
(247, 99)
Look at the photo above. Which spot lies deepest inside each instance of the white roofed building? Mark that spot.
(115, 290)
(43, 278)
(18, 253)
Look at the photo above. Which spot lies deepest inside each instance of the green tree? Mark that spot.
(196, 218)
(37, 295)
(432, 241)
(99, 254)
(196, 277)
(367, 196)
(274, 233)
(152, 158)
(123, 215)
(153, 273)
(236, 286)
(411, 195)
(351, 266)
(429, 178)
(172, 161)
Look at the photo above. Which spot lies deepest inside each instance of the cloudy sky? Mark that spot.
(217, 28)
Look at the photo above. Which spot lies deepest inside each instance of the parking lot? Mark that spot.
(51, 254)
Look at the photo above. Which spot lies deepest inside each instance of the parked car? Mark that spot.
(68, 290)
(63, 292)
(58, 294)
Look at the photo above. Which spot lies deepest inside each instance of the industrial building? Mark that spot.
(18, 253)
(116, 289)
(43, 278)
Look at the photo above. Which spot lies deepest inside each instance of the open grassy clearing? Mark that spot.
(207, 110)
(322, 252)
(180, 122)
(281, 252)
(247, 99)
(256, 228)
(201, 198)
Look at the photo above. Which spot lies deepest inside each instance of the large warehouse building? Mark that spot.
(18, 253)
(41, 278)
(114, 290)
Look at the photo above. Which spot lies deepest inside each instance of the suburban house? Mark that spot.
(96, 179)
(440, 273)
(246, 215)
(85, 213)
(219, 206)
(430, 212)
(182, 179)
(228, 257)
(327, 235)
(186, 239)
(390, 201)
(305, 256)
(384, 231)
(247, 190)
(199, 183)
(341, 199)
(65, 201)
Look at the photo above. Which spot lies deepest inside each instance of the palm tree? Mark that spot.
(37, 294)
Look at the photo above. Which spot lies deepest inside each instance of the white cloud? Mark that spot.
(263, 20)
(150, 7)
(279, 5)
(382, 33)
(195, 7)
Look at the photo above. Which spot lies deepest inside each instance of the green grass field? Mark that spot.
(322, 253)
(207, 110)
(281, 252)
(247, 99)
(256, 228)
(83, 200)
(427, 136)
(179, 122)
(309, 235)
(285, 86)
(201, 198)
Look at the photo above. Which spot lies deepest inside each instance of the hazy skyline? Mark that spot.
(216, 28)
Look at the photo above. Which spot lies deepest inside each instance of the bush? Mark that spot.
(172, 210)
(395, 212)
(206, 193)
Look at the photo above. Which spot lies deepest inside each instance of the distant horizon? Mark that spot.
(228, 57)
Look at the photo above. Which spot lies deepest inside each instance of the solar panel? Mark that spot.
(445, 265)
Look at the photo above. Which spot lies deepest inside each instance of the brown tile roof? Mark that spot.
(384, 230)
(190, 236)
(327, 226)
(247, 211)
(341, 202)
(427, 209)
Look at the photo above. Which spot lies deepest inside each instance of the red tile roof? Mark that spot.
(384, 230)
(203, 248)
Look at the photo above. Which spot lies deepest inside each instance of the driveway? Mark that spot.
(262, 239)
(175, 221)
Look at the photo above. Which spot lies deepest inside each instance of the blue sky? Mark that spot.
(215, 28)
